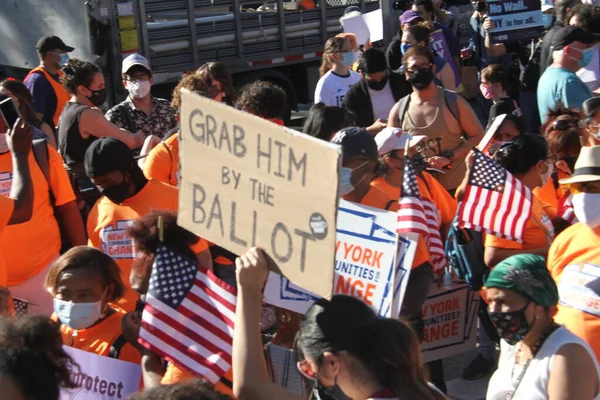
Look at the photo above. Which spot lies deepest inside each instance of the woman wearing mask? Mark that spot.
(419, 35)
(539, 359)
(84, 281)
(22, 98)
(511, 127)
(336, 75)
(218, 80)
(82, 122)
(33, 363)
(574, 257)
(345, 348)
(591, 113)
(494, 82)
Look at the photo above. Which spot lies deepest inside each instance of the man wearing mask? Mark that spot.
(441, 115)
(49, 96)
(574, 256)
(141, 111)
(372, 98)
(562, 10)
(127, 195)
(427, 11)
(572, 50)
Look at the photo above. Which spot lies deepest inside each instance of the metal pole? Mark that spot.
(323, 8)
(192, 29)
(282, 35)
(237, 17)
(142, 19)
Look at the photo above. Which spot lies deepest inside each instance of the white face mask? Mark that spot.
(78, 315)
(138, 89)
(496, 144)
(346, 185)
(546, 176)
(3, 144)
(587, 208)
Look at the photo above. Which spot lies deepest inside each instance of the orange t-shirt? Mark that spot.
(108, 221)
(574, 263)
(552, 196)
(174, 374)
(162, 162)
(99, 338)
(29, 247)
(6, 210)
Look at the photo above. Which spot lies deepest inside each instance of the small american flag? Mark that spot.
(411, 213)
(21, 307)
(565, 209)
(189, 315)
(434, 239)
(495, 202)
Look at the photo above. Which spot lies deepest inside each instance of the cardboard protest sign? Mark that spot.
(101, 377)
(364, 263)
(450, 317)
(367, 27)
(484, 144)
(248, 182)
(515, 20)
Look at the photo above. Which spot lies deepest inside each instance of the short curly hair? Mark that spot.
(78, 73)
(190, 81)
(263, 99)
(189, 390)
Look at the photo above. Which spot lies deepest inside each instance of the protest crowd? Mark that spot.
(486, 160)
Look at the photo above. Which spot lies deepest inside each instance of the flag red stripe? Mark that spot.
(193, 336)
(199, 320)
(193, 297)
(215, 296)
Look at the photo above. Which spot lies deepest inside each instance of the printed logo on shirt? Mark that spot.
(5, 183)
(579, 288)
(549, 228)
(339, 100)
(116, 242)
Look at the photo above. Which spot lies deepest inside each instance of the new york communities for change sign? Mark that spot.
(248, 182)
(515, 20)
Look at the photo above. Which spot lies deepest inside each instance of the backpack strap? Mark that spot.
(42, 158)
(115, 348)
(123, 110)
(402, 108)
(451, 99)
(390, 203)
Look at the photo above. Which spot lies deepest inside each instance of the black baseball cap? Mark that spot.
(569, 34)
(106, 155)
(49, 43)
(355, 142)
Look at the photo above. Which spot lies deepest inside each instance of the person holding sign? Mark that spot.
(574, 257)
(127, 195)
(345, 348)
(337, 77)
(84, 281)
(539, 359)
(572, 50)
(33, 364)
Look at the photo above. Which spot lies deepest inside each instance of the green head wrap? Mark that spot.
(527, 275)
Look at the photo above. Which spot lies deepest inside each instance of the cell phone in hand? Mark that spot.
(9, 112)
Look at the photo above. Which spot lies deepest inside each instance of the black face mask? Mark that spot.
(420, 79)
(117, 193)
(331, 393)
(98, 97)
(377, 85)
(480, 7)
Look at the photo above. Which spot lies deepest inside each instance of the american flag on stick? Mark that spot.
(495, 202)
(417, 215)
(189, 315)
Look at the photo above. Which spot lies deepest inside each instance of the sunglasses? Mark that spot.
(564, 124)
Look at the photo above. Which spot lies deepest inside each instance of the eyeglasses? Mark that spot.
(584, 187)
(143, 78)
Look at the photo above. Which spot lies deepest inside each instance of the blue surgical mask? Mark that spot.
(587, 54)
(404, 48)
(547, 20)
(64, 58)
(78, 315)
(346, 185)
(348, 59)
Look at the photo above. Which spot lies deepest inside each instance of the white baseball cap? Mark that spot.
(134, 59)
(546, 5)
(391, 139)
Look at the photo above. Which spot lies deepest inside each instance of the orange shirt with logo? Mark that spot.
(162, 162)
(107, 224)
(429, 189)
(538, 232)
(29, 247)
(574, 263)
(7, 206)
(99, 338)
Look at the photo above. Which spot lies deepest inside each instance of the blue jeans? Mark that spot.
(531, 115)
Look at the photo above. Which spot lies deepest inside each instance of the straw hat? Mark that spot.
(587, 167)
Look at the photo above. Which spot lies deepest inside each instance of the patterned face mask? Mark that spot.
(511, 326)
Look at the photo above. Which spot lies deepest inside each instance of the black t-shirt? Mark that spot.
(546, 56)
(505, 105)
(529, 63)
(393, 54)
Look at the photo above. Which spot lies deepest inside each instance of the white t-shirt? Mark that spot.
(590, 75)
(534, 384)
(382, 101)
(332, 88)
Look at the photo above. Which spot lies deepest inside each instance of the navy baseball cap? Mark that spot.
(356, 141)
(49, 43)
